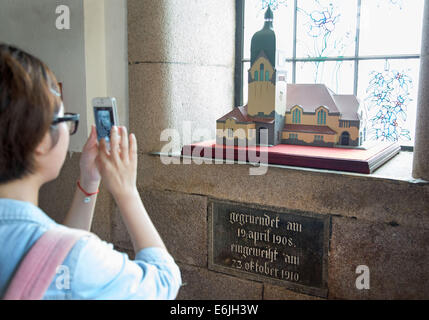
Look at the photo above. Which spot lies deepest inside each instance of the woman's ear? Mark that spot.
(44, 146)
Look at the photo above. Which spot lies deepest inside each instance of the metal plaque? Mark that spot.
(286, 248)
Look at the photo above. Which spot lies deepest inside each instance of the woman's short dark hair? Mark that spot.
(27, 109)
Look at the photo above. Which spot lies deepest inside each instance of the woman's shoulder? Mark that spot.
(15, 211)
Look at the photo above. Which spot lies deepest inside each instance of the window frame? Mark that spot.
(241, 58)
(296, 112)
(321, 113)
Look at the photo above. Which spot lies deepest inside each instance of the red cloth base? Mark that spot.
(341, 159)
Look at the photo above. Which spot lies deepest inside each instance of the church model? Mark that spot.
(303, 114)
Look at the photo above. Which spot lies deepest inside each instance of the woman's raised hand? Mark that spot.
(118, 166)
(89, 173)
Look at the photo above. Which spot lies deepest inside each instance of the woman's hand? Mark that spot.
(118, 167)
(89, 174)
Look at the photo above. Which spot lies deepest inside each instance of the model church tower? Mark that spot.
(267, 93)
(264, 101)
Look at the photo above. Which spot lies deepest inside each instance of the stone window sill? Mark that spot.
(399, 168)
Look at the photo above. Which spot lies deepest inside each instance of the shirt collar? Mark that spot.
(12, 210)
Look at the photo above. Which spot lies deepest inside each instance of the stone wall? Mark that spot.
(381, 223)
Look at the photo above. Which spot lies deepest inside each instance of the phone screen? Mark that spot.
(104, 120)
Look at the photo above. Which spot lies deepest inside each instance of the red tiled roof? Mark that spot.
(240, 114)
(308, 129)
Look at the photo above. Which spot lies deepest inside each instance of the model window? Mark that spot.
(261, 72)
(256, 76)
(230, 133)
(318, 138)
(296, 116)
(267, 76)
(321, 117)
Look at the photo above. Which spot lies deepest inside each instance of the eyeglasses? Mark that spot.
(72, 120)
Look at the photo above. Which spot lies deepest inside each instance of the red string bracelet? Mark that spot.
(87, 194)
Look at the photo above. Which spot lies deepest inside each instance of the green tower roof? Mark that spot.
(264, 40)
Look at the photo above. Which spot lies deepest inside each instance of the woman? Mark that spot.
(34, 139)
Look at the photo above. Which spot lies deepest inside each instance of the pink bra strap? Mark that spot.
(39, 266)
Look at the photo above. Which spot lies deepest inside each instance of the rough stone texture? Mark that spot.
(180, 219)
(201, 284)
(168, 96)
(181, 57)
(120, 236)
(197, 32)
(397, 258)
(421, 154)
(366, 198)
(280, 293)
(55, 198)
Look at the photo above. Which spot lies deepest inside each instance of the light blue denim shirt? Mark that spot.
(94, 269)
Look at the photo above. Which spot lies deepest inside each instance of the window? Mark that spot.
(318, 138)
(256, 76)
(296, 116)
(293, 136)
(345, 124)
(321, 117)
(370, 48)
(262, 72)
(267, 76)
(230, 133)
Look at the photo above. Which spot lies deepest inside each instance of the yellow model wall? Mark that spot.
(332, 122)
(309, 137)
(262, 94)
(222, 129)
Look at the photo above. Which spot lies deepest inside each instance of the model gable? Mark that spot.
(261, 70)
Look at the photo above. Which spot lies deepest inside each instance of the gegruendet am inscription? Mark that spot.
(286, 248)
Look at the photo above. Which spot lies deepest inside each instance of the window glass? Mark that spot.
(326, 28)
(389, 90)
(246, 67)
(337, 75)
(391, 27)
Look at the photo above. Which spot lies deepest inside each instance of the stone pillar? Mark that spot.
(181, 67)
(421, 152)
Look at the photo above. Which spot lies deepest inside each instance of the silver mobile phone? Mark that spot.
(105, 116)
